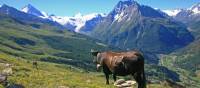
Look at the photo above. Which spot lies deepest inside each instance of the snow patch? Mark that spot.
(59, 19)
(45, 15)
(172, 12)
(80, 20)
(195, 8)
(32, 10)
(25, 9)
(119, 17)
(77, 20)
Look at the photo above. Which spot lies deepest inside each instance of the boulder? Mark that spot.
(131, 82)
(121, 83)
(3, 78)
(126, 85)
(7, 71)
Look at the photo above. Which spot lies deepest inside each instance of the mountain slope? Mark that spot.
(32, 10)
(48, 44)
(186, 63)
(133, 26)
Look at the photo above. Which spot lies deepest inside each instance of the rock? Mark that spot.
(131, 82)
(126, 85)
(120, 81)
(3, 78)
(118, 86)
(7, 71)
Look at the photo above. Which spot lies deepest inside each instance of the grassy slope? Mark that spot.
(186, 63)
(52, 75)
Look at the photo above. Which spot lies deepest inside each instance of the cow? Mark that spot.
(121, 64)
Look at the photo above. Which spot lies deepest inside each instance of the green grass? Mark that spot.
(50, 75)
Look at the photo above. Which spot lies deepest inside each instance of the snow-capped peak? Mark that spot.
(195, 8)
(32, 10)
(78, 15)
(172, 12)
(80, 19)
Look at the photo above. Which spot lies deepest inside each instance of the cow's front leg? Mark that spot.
(107, 79)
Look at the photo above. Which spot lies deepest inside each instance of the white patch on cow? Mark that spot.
(98, 66)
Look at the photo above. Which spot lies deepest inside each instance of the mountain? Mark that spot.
(195, 8)
(190, 17)
(29, 35)
(90, 23)
(187, 16)
(32, 10)
(79, 23)
(133, 26)
(27, 19)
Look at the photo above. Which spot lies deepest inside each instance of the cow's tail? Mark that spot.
(143, 72)
(144, 78)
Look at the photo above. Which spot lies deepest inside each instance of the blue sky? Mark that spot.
(72, 7)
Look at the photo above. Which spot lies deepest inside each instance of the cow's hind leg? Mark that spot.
(139, 77)
(114, 77)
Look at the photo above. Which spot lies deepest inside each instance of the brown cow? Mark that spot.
(121, 64)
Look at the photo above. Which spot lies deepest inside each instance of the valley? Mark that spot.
(61, 45)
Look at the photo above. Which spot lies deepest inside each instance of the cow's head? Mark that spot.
(96, 59)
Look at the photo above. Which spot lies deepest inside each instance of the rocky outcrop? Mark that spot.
(121, 83)
(7, 69)
(3, 79)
